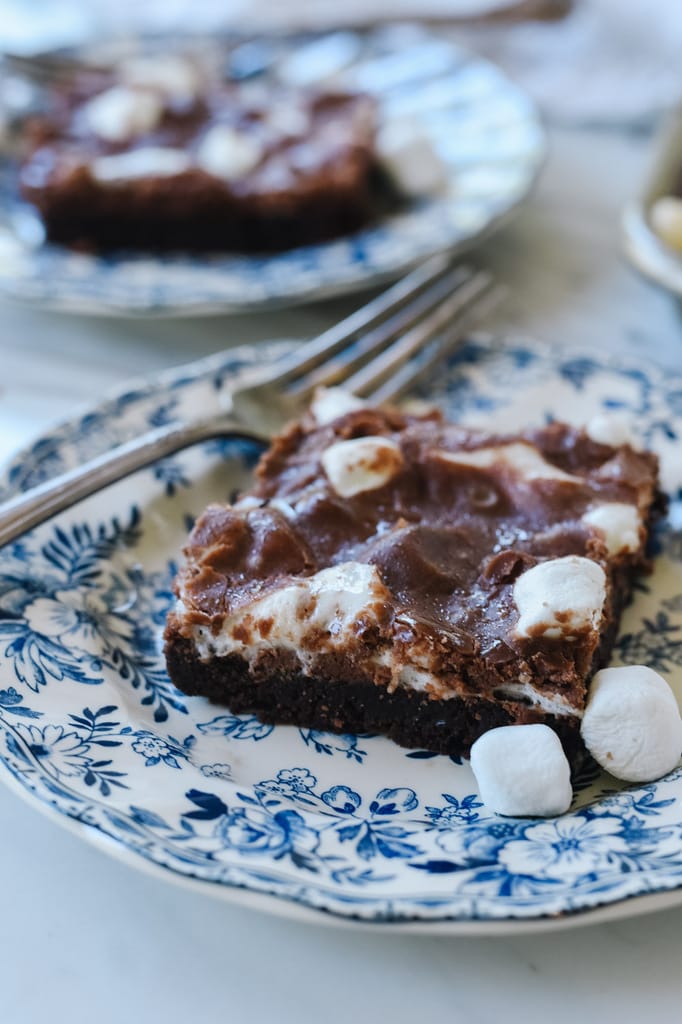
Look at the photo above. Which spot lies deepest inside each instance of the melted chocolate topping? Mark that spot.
(448, 539)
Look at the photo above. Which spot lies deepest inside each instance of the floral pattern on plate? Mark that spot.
(91, 727)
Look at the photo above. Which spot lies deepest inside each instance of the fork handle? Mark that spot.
(35, 506)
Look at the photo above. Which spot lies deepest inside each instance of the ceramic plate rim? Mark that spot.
(288, 908)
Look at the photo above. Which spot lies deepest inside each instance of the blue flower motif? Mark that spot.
(154, 749)
(12, 703)
(393, 801)
(78, 618)
(217, 771)
(658, 644)
(64, 752)
(298, 779)
(564, 849)
(477, 843)
(290, 782)
(255, 830)
(330, 743)
(10, 697)
(237, 727)
(171, 474)
(455, 812)
(342, 799)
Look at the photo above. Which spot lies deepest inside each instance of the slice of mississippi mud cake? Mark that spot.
(393, 573)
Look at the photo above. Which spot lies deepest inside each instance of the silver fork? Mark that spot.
(47, 68)
(377, 353)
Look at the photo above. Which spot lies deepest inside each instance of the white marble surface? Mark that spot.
(86, 939)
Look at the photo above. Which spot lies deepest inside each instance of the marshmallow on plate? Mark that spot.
(522, 771)
(632, 725)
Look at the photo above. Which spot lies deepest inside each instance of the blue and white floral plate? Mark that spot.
(486, 132)
(305, 823)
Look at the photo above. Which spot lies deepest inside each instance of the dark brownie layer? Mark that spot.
(458, 518)
(311, 183)
(344, 706)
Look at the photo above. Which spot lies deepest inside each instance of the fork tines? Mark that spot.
(44, 68)
(380, 350)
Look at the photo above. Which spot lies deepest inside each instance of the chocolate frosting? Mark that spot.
(448, 539)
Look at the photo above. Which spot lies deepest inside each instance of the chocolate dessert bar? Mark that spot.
(158, 155)
(393, 573)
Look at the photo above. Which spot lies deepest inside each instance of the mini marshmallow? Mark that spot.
(330, 403)
(361, 464)
(609, 428)
(227, 153)
(408, 155)
(619, 524)
(120, 114)
(560, 597)
(666, 220)
(288, 119)
(522, 459)
(170, 75)
(632, 725)
(329, 603)
(522, 771)
(148, 161)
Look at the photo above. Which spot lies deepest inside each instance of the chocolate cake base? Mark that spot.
(135, 217)
(409, 718)
(321, 181)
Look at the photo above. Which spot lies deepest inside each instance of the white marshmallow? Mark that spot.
(120, 114)
(280, 505)
(560, 597)
(330, 403)
(148, 161)
(248, 502)
(288, 119)
(632, 725)
(666, 220)
(361, 464)
(330, 601)
(522, 771)
(227, 153)
(552, 703)
(618, 522)
(609, 428)
(522, 459)
(408, 154)
(170, 75)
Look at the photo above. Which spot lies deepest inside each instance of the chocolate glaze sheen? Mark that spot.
(448, 540)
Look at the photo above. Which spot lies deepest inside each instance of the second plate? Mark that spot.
(485, 129)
